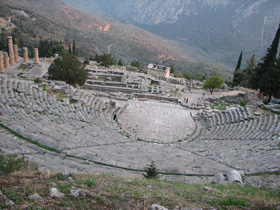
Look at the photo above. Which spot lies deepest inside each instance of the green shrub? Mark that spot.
(37, 80)
(243, 103)
(151, 172)
(11, 163)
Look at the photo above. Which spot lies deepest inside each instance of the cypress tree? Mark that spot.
(266, 75)
(237, 77)
(69, 49)
(238, 66)
(74, 47)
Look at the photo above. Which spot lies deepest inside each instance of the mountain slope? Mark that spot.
(52, 18)
(217, 28)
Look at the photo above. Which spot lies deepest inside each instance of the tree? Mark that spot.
(86, 61)
(135, 63)
(68, 69)
(265, 75)
(172, 69)
(247, 72)
(151, 171)
(200, 76)
(120, 62)
(105, 60)
(237, 76)
(213, 82)
(69, 49)
(74, 47)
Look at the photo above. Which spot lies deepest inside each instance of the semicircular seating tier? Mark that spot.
(85, 130)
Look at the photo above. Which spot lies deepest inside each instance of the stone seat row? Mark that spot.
(54, 130)
(41, 101)
(259, 128)
(231, 116)
(42, 114)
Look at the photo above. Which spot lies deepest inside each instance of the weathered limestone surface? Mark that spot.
(25, 55)
(1, 63)
(11, 50)
(156, 122)
(6, 60)
(16, 53)
(85, 131)
(36, 56)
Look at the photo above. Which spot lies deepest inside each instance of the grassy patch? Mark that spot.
(44, 87)
(59, 94)
(265, 109)
(154, 83)
(232, 201)
(104, 79)
(116, 79)
(22, 67)
(113, 192)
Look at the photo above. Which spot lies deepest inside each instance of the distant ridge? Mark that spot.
(52, 18)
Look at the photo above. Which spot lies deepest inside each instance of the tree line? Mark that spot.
(264, 75)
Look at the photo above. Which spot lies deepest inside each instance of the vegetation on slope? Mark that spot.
(113, 192)
(95, 35)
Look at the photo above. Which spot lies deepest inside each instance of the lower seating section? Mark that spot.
(31, 112)
(240, 123)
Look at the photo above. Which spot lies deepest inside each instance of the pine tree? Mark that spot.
(265, 76)
(237, 77)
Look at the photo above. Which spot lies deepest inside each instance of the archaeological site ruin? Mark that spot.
(121, 120)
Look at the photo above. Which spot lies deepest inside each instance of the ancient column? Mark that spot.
(16, 53)
(6, 60)
(11, 50)
(36, 55)
(25, 54)
(1, 63)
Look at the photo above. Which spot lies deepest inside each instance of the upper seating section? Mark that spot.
(240, 123)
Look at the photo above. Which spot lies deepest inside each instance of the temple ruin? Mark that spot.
(36, 56)
(158, 70)
(25, 55)
(1, 63)
(11, 50)
(16, 53)
(6, 60)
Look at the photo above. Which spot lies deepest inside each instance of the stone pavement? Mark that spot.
(156, 122)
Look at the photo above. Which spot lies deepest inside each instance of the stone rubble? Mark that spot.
(234, 176)
(54, 193)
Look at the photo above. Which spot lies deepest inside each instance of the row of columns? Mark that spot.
(12, 57)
